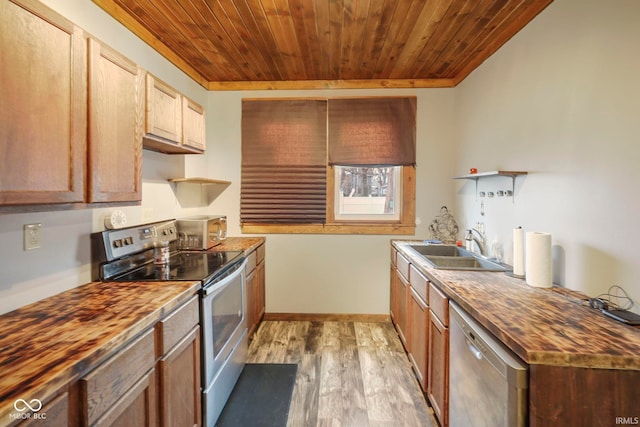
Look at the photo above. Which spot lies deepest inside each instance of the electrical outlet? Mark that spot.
(147, 214)
(32, 236)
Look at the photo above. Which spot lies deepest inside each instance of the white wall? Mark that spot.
(561, 100)
(334, 273)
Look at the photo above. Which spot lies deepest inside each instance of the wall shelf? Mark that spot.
(477, 176)
(197, 192)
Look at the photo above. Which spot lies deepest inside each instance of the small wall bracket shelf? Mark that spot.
(476, 176)
(195, 192)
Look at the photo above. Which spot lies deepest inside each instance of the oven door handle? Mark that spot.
(235, 272)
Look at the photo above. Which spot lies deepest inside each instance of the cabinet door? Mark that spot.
(393, 298)
(163, 110)
(180, 383)
(419, 332)
(402, 295)
(116, 111)
(438, 369)
(122, 388)
(43, 113)
(251, 283)
(193, 123)
(137, 408)
(260, 292)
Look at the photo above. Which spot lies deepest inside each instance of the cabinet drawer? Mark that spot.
(419, 283)
(403, 266)
(251, 262)
(56, 412)
(177, 325)
(394, 256)
(439, 304)
(102, 388)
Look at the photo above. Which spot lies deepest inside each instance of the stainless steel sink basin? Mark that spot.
(455, 258)
(441, 250)
(463, 263)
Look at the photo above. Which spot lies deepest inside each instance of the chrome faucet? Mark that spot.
(480, 241)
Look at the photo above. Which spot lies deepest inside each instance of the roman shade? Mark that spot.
(283, 161)
(372, 131)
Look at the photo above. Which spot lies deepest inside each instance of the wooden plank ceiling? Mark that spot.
(309, 44)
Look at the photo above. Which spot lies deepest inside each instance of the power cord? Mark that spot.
(605, 301)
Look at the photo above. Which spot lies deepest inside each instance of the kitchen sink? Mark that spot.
(441, 250)
(455, 258)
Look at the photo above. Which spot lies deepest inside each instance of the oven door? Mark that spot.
(223, 320)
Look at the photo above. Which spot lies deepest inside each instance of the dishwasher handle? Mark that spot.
(474, 350)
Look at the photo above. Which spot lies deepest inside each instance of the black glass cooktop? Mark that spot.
(185, 265)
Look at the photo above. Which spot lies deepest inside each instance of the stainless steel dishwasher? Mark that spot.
(487, 382)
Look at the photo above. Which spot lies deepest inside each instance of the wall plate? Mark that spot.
(32, 236)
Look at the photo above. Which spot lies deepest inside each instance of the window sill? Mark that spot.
(392, 229)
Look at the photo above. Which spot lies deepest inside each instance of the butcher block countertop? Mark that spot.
(545, 326)
(245, 244)
(53, 342)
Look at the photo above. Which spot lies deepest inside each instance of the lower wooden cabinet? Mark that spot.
(122, 388)
(255, 289)
(438, 366)
(419, 333)
(153, 381)
(401, 313)
(179, 372)
(438, 369)
(420, 314)
(178, 342)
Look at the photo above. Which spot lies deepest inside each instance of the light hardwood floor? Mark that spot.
(350, 374)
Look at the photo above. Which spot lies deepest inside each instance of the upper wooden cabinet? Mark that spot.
(193, 127)
(72, 116)
(116, 111)
(43, 113)
(174, 124)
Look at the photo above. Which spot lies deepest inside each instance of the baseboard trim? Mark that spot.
(323, 317)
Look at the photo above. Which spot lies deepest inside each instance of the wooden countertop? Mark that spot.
(550, 326)
(53, 342)
(246, 244)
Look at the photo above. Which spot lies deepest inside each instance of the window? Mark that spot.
(301, 156)
(368, 193)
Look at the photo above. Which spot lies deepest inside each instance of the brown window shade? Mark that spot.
(372, 131)
(283, 161)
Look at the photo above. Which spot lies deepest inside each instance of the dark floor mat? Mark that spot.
(261, 396)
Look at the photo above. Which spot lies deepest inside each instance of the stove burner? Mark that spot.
(184, 265)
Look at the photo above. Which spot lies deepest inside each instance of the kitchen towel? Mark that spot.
(538, 260)
(518, 252)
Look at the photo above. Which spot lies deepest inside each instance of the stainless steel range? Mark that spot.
(148, 253)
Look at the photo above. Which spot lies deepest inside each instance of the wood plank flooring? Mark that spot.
(350, 374)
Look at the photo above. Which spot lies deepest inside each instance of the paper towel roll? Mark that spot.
(518, 251)
(538, 260)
